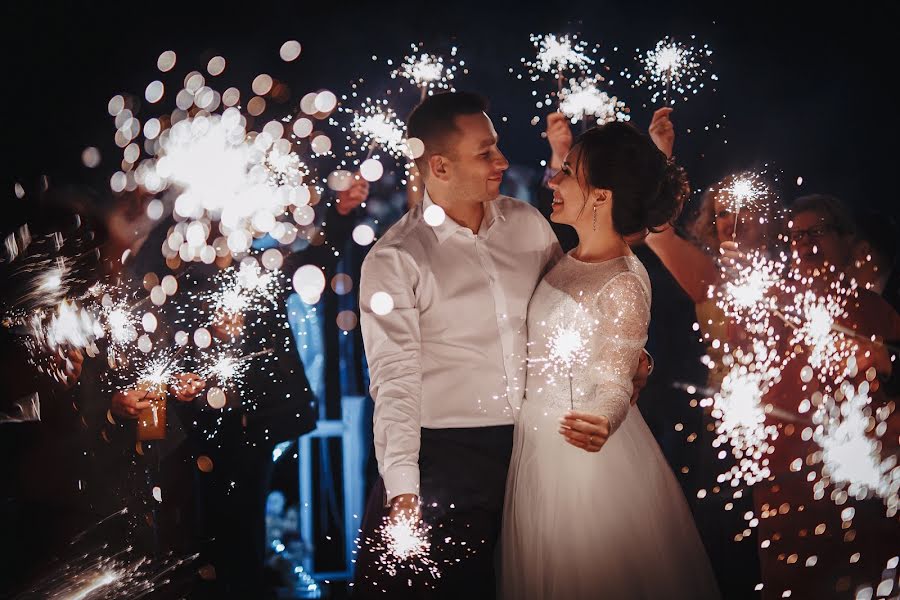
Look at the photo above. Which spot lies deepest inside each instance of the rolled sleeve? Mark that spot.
(392, 343)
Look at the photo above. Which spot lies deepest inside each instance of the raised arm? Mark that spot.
(692, 268)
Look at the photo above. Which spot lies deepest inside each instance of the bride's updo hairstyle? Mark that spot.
(648, 190)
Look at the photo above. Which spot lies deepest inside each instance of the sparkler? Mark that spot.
(814, 320)
(740, 420)
(70, 326)
(568, 348)
(747, 292)
(426, 71)
(120, 324)
(672, 66)
(747, 191)
(285, 168)
(229, 369)
(376, 124)
(404, 544)
(121, 575)
(851, 456)
(583, 98)
(557, 54)
(242, 290)
(158, 371)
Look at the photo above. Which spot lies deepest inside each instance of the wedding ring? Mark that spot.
(592, 440)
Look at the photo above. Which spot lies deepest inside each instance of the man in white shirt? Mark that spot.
(443, 298)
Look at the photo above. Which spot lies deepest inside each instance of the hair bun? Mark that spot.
(674, 189)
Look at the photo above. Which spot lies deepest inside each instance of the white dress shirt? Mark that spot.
(451, 353)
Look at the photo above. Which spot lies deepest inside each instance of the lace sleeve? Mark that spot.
(623, 314)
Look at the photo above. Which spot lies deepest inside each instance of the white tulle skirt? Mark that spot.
(612, 524)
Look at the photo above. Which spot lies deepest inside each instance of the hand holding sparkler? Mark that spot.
(352, 197)
(187, 386)
(731, 254)
(559, 135)
(586, 431)
(662, 132)
(403, 540)
(69, 366)
(228, 325)
(128, 404)
(405, 507)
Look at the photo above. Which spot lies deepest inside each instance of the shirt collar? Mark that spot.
(448, 227)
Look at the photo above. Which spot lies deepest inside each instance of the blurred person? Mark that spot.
(809, 542)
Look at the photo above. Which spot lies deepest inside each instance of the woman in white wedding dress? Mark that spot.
(614, 523)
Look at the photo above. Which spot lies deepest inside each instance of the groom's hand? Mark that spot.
(586, 431)
(404, 505)
(640, 377)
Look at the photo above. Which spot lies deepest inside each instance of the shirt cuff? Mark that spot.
(400, 480)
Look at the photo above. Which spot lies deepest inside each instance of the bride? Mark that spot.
(612, 524)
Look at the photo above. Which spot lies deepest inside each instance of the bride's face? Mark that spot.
(572, 195)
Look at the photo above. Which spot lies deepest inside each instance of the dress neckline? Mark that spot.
(593, 264)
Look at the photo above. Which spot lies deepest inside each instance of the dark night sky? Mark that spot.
(802, 85)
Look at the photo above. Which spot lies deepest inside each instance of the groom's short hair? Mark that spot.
(433, 121)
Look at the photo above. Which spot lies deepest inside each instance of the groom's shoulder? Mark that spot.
(403, 236)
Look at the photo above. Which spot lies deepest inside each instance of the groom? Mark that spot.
(444, 298)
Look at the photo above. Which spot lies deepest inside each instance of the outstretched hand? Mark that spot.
(662, 132)
(352, 197)
(559, 134)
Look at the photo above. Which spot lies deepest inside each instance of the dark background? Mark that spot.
(801, 85)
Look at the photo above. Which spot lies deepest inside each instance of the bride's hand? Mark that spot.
(586, 431)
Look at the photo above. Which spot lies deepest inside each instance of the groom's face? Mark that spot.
(475, 164)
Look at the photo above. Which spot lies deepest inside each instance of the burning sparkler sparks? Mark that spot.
(672, 69)
(569, 347)
(814, 319)
(121, 575)
(740, 420)
(285, 168)
(747, 292)
(583, 98)
(851, 452)
(746, 192)
(158, 371)
(244, 289)
(428, 72)
(375, 124)
(404, 543)
(556, 54)
(227, 368)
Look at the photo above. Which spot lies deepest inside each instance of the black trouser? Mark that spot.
(462, 479)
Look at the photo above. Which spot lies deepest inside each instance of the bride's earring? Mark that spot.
(595, 218)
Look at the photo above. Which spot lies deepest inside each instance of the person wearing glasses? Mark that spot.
(816, 544)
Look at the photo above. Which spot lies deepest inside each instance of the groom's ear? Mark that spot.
(438, 166)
